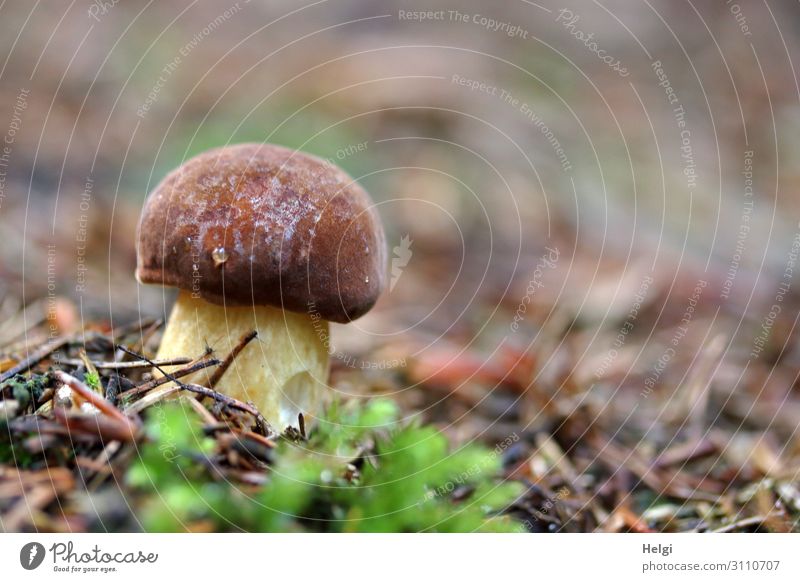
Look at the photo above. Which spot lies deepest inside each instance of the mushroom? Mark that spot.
(260, 237)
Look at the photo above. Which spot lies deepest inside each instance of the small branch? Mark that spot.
(37, 357)
(145, 333)
(91, 396)
(150, 399)
(155, 382)
(685, 453)
(202, 411)
(91, 369)
(127, 365)
(107, 428)
(138, 406)
(21, 511)
(243, 341)
(227, 400)
(118, 427)
(743, 523)
(153, 363)
(153, 397)
(135, 327)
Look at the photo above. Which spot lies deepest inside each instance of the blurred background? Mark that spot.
(591, 207)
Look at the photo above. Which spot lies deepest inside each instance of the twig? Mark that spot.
(103, 462)
(153, 397)
(122, 427)
(684, 453)
(107, 428)
(659, 480)
(155, 382)
(34, 359)
(153, 363)
(91, 369)
(742, 523)
(145, 333)
(243, 341)
(90, 396)
(698, 386)
(261, 423)
(251, 444)
(135, 326)
(201, 410)
(126, 365)
(23, 510)
(225, 399)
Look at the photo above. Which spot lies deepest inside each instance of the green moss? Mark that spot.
(92, 380)
(406, 483)
(26, 391)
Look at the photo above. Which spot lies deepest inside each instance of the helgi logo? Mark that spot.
(31, 555)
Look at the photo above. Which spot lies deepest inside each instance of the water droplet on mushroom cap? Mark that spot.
(220, 256)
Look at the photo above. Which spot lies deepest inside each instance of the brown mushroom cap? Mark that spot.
(256, 224)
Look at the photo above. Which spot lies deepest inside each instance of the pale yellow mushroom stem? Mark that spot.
(283, 372)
